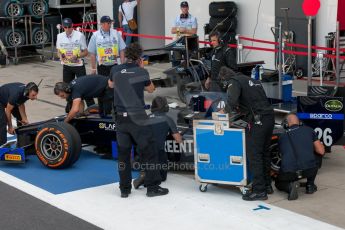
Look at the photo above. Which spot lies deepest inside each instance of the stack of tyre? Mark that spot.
(14, 9)
(223, 18)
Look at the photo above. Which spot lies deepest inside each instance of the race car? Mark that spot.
(58, 144)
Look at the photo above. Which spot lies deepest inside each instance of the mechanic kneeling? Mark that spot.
(247, 96)
(88, 87)
(12, 99)
(298, 146)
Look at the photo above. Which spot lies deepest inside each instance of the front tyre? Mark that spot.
(58, 145)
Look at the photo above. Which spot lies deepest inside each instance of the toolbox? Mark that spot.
(219, 154)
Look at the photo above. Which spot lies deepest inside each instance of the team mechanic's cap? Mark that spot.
(184, 4)
(105, 19)
(67, 22)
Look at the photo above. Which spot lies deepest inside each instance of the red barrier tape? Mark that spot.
(246, 47)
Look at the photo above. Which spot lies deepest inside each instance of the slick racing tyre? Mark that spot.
(12, 38)
(38, 8)
(223, 24)
(11, 8)
(222, 9)
(58, 145)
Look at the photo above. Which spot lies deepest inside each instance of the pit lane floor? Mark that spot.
(185, 207)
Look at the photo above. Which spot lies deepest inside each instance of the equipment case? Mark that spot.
(220, 154)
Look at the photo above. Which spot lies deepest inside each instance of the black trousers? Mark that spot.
(105, 102)
(130, 131)
(71, 72)
(163, 161)
(3, 125)
(285, 178)
(258, 139)
(104, 70)
(3, 122)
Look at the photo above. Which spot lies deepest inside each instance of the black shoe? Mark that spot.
(137, 182)
(125, 193)
(293, 193)
(269, 189)
(310, 188)
(157, 191)
(251, 196)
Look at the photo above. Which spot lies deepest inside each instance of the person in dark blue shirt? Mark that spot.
(162, 126)
(299, 146)
(129, 81)
(87, 87)
(12, 99)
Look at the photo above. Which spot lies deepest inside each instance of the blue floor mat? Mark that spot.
(88, 171)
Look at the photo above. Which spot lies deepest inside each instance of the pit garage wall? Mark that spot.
(247, 13)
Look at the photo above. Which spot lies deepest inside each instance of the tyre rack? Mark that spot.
(14, 51)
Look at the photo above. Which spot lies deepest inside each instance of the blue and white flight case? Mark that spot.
(220, 154)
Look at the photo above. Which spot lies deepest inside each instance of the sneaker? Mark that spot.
(125, 193)
(293, 193)
(310, 188)
(269, 189)
(139, 181)
(157, 191)
(251, 196)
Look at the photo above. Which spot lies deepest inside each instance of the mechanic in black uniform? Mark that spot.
(162, 126)
(12, 99)
(222, 55)
(129, 81)
(247, 96)
(298, 146)
(88, 87)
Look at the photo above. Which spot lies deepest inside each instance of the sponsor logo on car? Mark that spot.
(107, 126)
(13, 157)
(334, 105)
(171, 146)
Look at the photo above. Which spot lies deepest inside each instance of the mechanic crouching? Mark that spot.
(301, 151)
(88, 87)
(162, 126)
(129, 81)
(12, 99)
(247, 97)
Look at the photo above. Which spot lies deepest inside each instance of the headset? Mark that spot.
(159, 104)
(62, 86)
(29, 87)
(285, 123)
(184, 16)
(218, 35)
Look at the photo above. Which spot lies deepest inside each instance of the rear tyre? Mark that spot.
(40, 37)
(38, 8)
(58, 145)
(13, 38)
(11, 8)
(275, 158)
(181, 87)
